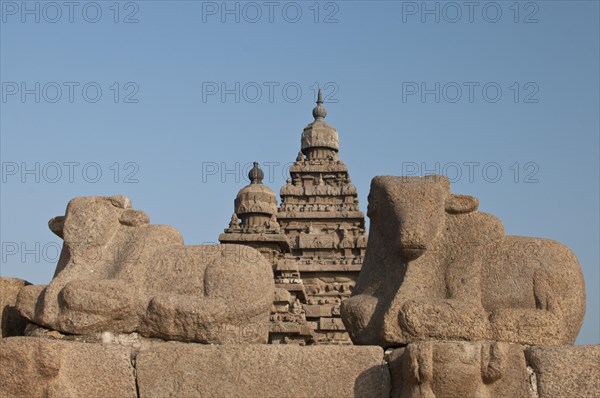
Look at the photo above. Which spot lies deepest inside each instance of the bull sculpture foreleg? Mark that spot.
(100, 305)
(460, 315)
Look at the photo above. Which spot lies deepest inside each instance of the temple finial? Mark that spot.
(256, 175)
(319, 112)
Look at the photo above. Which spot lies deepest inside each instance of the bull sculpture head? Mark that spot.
(92, 221)
(413, 209)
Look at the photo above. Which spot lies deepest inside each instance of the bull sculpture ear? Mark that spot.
(457, 204)
(56, 225)
(120, 201)
(134, 218)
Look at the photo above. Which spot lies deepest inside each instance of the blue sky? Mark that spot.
(168, 102)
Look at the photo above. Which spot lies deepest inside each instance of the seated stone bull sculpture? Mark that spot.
(119, 273)
(437, 269)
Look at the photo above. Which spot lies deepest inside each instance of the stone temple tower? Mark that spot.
(316, 242)
(254, 221)
(320, 216)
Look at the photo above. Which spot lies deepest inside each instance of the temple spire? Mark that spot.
(256, 175)
(319, 112)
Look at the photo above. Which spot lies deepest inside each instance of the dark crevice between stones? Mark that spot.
(134, 354)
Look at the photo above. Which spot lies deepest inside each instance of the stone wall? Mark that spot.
(44, 367)
(135, 367)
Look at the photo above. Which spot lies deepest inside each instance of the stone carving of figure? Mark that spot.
(362, 240)
(330, 188)
(235, 221)
(297, 307)
(273, 224)
(331, 141)
(348, 188)
(298, 190)
(262, 207)
(300, 156)
(320, 189)
(347, 242)
(288, 188)
(351, 187)
(306, 141)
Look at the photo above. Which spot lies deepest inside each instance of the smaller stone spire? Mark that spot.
(319, 112)
(256, 175)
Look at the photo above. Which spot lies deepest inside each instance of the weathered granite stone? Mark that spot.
(565, 372)
(119, 273)
(11, 322)
(437, 269)
(193, 370)
(459, 369)
(38, 367)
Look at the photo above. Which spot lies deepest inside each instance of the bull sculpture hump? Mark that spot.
(437, 269)
(119, 273)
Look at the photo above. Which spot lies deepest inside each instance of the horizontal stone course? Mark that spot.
(45, 367)
(40, 367)
(193, 370)
(565, 372)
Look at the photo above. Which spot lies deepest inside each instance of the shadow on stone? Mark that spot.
(11, 321)
(373, 382)
(13, 324)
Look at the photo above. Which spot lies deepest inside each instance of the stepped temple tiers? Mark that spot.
(316, 239)
(439, 303)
